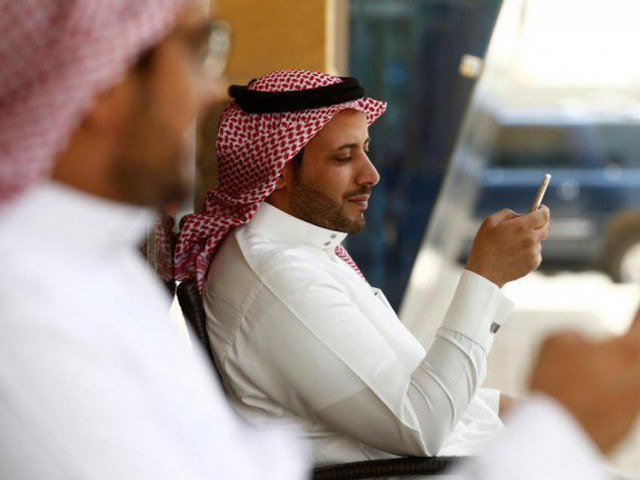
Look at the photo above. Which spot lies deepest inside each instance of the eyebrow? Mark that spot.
(351, 145)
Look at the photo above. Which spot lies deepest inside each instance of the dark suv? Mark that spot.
(594, 195)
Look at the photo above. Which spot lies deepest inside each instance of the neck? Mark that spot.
(280, 200)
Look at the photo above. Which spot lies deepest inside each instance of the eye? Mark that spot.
(343, 159)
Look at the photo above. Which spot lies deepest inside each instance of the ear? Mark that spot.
(285, 178)
(280, 184)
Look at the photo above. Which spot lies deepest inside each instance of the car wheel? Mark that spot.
(623, 258)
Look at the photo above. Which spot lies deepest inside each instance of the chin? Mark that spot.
(177, 184)
(164, 191)
(177, 192)
(356, 225)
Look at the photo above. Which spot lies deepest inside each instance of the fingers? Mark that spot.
(598, 382)
(538, 218)
(543, 232)
(501, 216)
(564, 339)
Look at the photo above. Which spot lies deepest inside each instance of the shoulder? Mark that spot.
(249, 255)
(266, 253)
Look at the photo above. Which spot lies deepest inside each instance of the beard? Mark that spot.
(151, 168)
(151, 178)
(313, 206)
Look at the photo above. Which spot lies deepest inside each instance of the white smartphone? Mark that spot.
(540, 193)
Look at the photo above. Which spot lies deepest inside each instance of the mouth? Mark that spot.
(360, 201)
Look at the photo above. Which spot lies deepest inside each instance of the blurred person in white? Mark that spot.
(95, 380)
(297, 331)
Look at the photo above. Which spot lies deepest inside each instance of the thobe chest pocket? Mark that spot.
(379, 294)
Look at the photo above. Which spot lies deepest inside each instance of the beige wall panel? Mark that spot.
(273, 34)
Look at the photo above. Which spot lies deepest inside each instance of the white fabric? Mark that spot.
(542, 441)
(300, 336)
(95, 380)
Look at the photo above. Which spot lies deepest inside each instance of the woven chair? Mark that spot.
(193, 310)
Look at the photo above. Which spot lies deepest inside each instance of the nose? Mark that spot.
(368, 175)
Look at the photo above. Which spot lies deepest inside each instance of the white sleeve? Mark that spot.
(358, 384)
(542, 441)
(84, 406)
(455, 366)
(476, 305)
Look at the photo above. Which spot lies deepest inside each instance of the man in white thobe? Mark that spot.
(298, 333)
(95, 381)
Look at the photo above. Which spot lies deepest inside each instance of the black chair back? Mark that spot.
(192, 308)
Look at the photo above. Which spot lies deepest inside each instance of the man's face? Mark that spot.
(332, 185)
(171, 90)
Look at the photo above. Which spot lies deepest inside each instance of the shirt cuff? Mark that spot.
(476, 305)
(542, 440)
(491, 397)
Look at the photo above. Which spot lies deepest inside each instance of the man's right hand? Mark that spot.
(507, 245)
(599, 383)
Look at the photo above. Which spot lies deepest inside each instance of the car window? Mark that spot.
(536, 146)
(566, 146)
(619, 144)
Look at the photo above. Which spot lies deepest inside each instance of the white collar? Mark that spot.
(56, 213)
(281, 226)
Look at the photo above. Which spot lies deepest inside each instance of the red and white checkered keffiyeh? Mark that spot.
(55, 57)
(252, 151)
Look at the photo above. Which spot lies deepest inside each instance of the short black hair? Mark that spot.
(296, 161)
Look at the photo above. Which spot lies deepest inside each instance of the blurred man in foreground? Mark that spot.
(95, 381)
